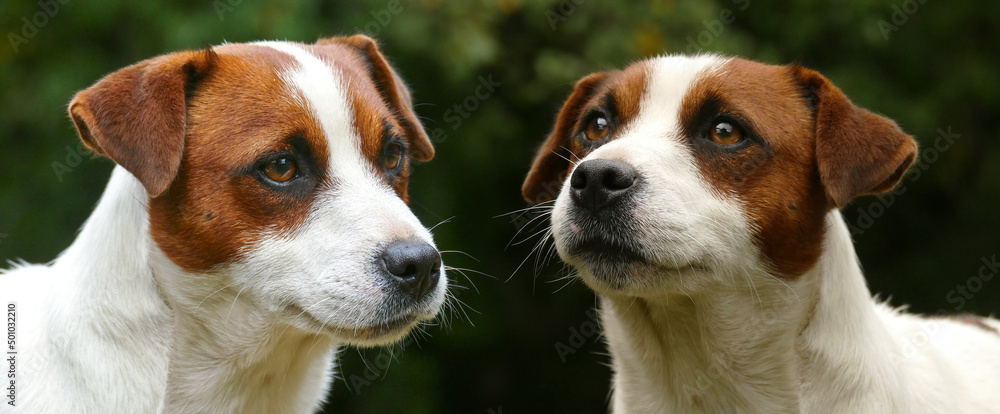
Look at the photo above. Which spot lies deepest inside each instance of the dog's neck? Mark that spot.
(103, 291)
(209, 353)
(765, 345)
(234, 359)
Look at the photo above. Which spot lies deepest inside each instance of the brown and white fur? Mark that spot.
(202, 283)
(699, 197)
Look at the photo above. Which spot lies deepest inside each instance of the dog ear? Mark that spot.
(137, 116)
(392, 89)
(857, 152)
(552, 162)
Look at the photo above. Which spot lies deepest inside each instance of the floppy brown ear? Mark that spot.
(857, 152)
(392, 89)
(552, 162)
(137, 115)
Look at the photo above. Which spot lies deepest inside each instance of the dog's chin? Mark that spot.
(636, 279)
(384, 333)
(370, 334)
(622, 271)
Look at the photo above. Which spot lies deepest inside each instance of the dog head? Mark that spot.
(277, 172)
(678, 172)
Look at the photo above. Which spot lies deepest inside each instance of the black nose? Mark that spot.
(415, 266)
(597, 184)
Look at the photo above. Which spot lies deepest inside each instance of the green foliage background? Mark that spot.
(937, 70)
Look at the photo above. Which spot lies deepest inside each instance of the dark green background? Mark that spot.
(938, 70)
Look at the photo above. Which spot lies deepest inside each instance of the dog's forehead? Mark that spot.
(332, 85)
(676, 92)
(672, 77)
(320, 88)
(767, 97)
(665, 81)
(670, 85)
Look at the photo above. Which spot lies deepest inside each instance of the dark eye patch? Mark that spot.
(697, 126)
(307, 173)
(601, 118)
(393, 158)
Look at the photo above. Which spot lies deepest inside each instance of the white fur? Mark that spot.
(114, 326)
(736, 339)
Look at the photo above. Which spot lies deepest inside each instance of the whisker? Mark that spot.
(520, 229)
(473, 271)
(458, 286)
(210, 295)
(304, 311)
(564, 157)
(234, 302)
(545, 205)
(462, 272)
(569, 280)
(462, 253)
(447, 220)
(546, 258)
(532, 236)
(536, 251)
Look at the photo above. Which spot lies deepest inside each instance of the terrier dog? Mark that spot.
(256, 219)
(699, 197)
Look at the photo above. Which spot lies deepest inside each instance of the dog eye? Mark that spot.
(393, 156)
(280, 170)
(725, 133)
(598, 128)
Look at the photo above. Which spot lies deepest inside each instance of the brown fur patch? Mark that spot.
(392, 89)
(136, 115)
(776, 181)
(241, 112)
(858, 152)
(806, 161)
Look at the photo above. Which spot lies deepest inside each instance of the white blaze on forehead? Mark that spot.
(325, 95)
(670, 79)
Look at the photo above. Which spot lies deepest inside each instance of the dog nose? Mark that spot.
(597, 184)
(414, 266)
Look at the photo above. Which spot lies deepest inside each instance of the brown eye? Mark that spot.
(280, 170)
(725, 133)
(598, 128)
(393, 156)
